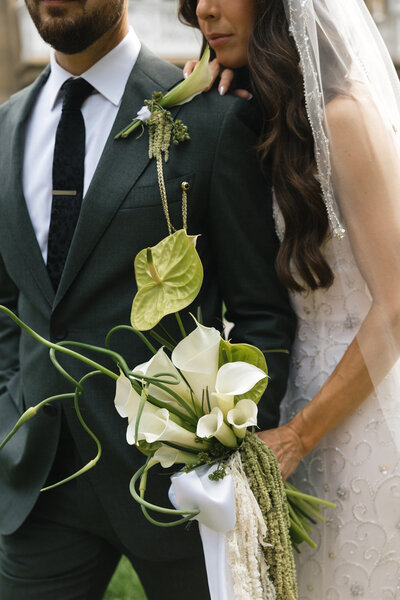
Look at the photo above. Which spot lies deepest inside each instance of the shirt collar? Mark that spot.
(108, 76)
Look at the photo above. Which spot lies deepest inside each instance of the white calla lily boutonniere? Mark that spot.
(182, 93)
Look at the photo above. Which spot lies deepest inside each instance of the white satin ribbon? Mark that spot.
(217, 516)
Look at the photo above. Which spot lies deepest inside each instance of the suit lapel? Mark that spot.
(17, 211)
(121, 164)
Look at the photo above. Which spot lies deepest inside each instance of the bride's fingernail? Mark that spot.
(250, 97)
(222, 90)
(186, 75)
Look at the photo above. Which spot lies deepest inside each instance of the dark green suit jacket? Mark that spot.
(229, 204)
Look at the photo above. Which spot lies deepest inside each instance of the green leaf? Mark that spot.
(168, 277)
(245, 352)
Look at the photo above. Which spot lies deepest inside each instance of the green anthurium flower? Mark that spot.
(249, 354)
(168, 277)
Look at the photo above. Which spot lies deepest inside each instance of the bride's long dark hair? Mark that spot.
(286, 143)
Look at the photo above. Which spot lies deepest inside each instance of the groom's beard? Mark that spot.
(74, 25)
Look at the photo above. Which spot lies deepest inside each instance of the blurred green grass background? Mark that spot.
(125, 584)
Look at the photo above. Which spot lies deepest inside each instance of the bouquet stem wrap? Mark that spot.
(244, 525)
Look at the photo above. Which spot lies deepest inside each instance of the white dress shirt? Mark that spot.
(108, 77)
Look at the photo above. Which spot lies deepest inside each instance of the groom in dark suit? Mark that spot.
(76, 206)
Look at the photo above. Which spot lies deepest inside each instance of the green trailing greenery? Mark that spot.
(262, 470)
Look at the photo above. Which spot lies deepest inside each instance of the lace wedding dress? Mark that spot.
(356, 465)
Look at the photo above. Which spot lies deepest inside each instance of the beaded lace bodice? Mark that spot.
(356, 465)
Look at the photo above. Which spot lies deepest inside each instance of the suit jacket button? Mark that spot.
(60, 333)
(50, 409)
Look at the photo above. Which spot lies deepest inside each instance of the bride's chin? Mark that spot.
(228, 60)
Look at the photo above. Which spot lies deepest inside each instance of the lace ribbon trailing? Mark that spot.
(245, 543)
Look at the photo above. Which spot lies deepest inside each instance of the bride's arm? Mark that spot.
(366, 170)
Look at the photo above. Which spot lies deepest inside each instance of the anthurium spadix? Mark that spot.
(168, 276)
(234, 379)
(158, 427)
(242, 416)
(213, 425)
(196, 356)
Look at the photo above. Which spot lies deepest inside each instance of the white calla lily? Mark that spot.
(196, 356)
(167, 456)
(242, 416)
(122, 392)
(127, 402)
(233, 379)
(196, 83)
(236, 378)
(213, 425)
(157, 426)
(161, 363)
(224, 401)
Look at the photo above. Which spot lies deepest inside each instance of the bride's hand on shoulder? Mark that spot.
(226, 78)
(287, 446)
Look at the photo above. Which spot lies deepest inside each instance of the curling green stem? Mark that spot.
(92, 463)
(60, 346)
(30, 413)
(133, 330)
(189, 514)
(171, 392)
(110, 353)
(61, 369)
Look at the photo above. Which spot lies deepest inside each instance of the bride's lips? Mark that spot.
(218, 39)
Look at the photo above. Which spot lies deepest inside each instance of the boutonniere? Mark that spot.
(157, 110)
(155, 114)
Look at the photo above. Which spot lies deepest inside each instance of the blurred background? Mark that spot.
(23, 54)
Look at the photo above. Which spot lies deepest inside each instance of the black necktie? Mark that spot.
(68, 170)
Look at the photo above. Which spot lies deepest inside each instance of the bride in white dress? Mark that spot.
(340, 423)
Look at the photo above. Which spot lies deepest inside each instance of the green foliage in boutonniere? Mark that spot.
(163, 128)
(182, 93)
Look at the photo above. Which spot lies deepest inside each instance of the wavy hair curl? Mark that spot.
(286, 143)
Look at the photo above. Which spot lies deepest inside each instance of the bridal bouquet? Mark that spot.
(194, 405)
